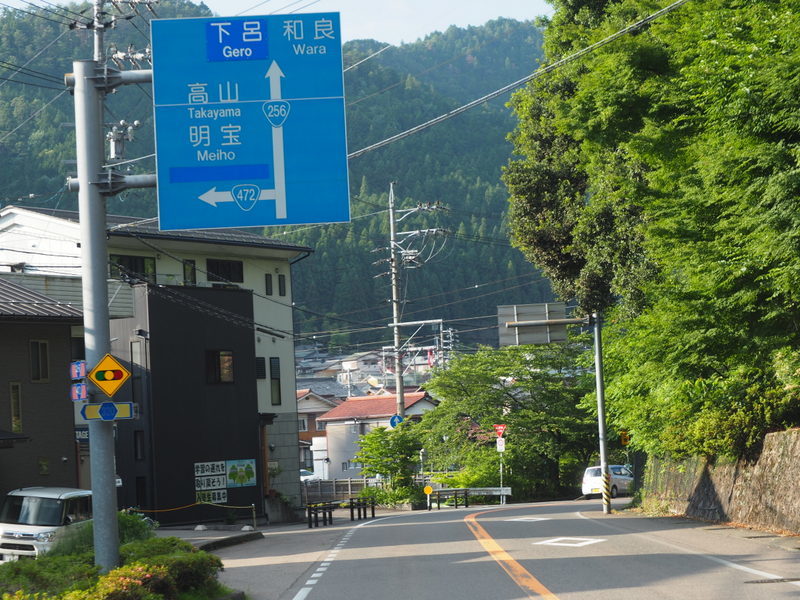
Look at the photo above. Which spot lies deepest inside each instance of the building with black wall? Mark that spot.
(191, 354)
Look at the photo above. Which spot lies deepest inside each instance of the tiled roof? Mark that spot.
(123, 226)
(18, 302)
(328, 386)
(372, 407)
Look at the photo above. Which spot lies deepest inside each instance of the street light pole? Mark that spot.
(597, 319)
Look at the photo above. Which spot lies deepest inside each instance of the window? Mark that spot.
(219, 366)
(224, 270)
(138, 444)
(40, 364)
(275, 380)
(322, 425)
(346, 466)
(268, 284)
(261, 367)
(281, 285)
(15, 391)
(302, 424)
(133, 267)
(189, 272)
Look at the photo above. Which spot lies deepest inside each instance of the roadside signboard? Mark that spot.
(108, 411)
(249, 119)
(109, 375)
(500, 430)
(395, 420)
(78, 392)
(501, 444)
(77, 369)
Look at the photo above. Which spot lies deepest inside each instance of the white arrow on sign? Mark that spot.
(274, 75)
(214, 197)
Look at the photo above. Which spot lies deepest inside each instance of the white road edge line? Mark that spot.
(712, 558)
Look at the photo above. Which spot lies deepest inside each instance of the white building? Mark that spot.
(41, 250)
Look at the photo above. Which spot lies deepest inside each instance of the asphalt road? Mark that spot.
(566, 550)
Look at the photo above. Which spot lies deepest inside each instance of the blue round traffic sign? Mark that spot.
(395, 420)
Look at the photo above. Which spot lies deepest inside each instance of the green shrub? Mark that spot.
(393, 496)
(131, 582)
(195, 571)
(79, 538)
(146, 549)
(48, 574)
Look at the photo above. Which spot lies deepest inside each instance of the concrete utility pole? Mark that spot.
(91, 80)
(397, 257)
(394, 272)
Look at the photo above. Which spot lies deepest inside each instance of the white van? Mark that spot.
(30, 518)
(621, 480)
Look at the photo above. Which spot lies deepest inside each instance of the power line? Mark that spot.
(363, 60)
(2, 139)
(28, 83)
(41, 16)
(535, 75)
(31, 73)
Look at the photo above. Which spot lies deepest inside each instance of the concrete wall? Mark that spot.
(760, 493)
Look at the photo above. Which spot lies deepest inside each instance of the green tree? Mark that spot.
(390, 453)
(535, 391)
(658, 178)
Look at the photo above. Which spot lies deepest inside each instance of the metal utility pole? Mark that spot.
(94, 259)
(394, 272)
(91, 80)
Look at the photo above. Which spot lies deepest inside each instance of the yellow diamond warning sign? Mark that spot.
(109, 375)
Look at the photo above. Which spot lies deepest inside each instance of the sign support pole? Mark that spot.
(94, 259)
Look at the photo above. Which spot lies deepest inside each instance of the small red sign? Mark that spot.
(500, 430)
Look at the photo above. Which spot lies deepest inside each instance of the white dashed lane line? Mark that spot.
(303, 593)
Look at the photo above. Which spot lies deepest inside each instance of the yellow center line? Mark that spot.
(516, 571)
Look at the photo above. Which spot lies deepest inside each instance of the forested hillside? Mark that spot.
(463, 273)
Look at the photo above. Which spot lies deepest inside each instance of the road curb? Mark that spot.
(230, 541)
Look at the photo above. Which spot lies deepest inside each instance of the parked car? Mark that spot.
(306, 475)
(30, 518)
(621, 480)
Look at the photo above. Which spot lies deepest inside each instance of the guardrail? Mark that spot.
(465, 493)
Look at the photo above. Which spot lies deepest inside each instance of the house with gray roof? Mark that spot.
(37, 343)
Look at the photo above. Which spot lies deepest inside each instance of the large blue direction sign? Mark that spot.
(249, 116)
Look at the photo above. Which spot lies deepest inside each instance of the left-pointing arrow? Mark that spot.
(213, 197)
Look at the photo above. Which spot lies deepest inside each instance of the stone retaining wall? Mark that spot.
(763, 493)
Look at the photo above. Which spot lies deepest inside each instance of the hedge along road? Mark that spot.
(565, 550)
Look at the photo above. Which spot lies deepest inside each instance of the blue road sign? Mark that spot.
(108, 411)
(249, 115)
(395, 420)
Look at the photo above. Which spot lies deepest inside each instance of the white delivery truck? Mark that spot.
(31, 517)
